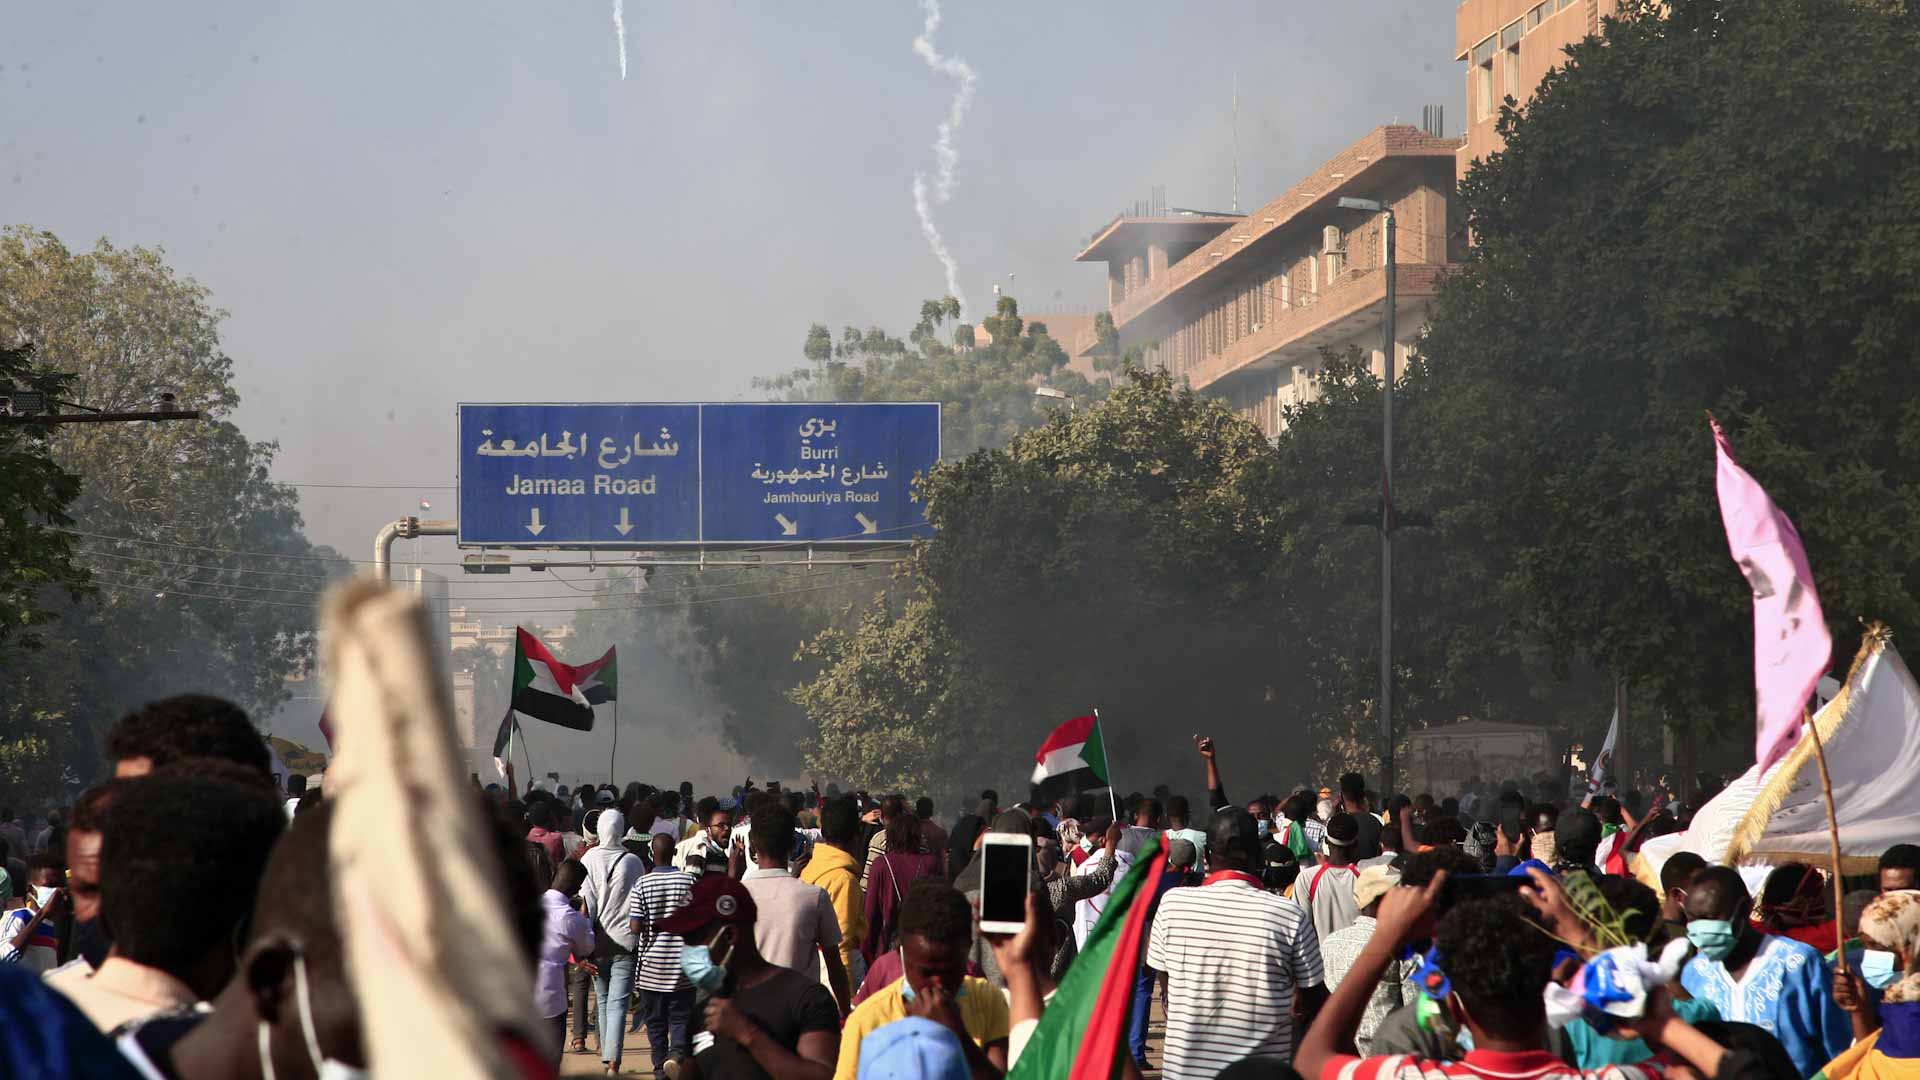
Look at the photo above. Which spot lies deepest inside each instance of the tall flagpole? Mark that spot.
(1833, 837)
(1112, 800)
(611, 779)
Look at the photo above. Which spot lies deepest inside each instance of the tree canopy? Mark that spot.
(1671, 229)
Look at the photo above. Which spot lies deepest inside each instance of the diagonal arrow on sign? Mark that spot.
(868, 526)
(787, 528)
(534, 526)
(624, 526)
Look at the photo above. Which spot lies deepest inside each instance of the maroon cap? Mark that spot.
(716, 898)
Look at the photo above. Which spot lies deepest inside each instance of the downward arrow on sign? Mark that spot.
(534, 526)
(868, 526)
(787, 528)
(625, 526)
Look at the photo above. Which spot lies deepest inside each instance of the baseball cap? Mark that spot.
(1342, 830)
(912, 1049)
(1374, 882)
(716, 898)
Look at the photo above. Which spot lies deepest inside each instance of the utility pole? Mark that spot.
(19, 406)
(1388, 521)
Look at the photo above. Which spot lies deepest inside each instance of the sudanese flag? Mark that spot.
(546, 689)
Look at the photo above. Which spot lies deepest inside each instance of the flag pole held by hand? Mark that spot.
(1833, 836)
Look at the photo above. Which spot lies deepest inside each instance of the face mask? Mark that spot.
(707, 975)
(907, 994)
(1876, 967)
(43, 895)
(324, 1067)
(1713, 937)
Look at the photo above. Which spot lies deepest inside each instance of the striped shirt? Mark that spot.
(657, 895)
(1233, 955)
(1481, 1065)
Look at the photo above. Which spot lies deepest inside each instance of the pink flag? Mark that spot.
(1791, 646)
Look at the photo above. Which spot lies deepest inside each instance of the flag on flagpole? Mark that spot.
(1084, 1028)
(546, 689)
(503, 742)
(1791, 645)
(1604, 762)
(1072, 760)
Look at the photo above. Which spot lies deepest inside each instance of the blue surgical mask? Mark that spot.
(1714, 938)
(701, 969)
(907, 994)
(1877, 968)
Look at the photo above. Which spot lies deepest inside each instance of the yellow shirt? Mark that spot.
(983, 1010)
(838, 872)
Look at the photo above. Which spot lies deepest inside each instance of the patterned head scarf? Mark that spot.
(1892, 922)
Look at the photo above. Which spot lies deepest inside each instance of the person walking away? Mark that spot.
(835, 869)
(758, 1019)
(1353, 801)
(1330, 886)
(1341, 949)
(931, 834)
(666, 997)
(796, 926)
(540, 817)
(1751, 977)
(612, 873)
(1236, 956)
(565, 933)
(900, 862)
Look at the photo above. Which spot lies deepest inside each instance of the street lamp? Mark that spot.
(1387, 523)
(1051, 394)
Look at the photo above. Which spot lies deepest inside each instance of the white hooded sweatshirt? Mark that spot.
(612, 872)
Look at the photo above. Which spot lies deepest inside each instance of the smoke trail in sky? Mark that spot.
(620, 32)
(945, 156)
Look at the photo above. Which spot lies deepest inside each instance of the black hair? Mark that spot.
(937, 911)
(539, 862)
(903, 832)
(189, 726)
(1424, 800)
(1724, 880)
(296, 785)
(796, 802)
(991, 796)
(181, 859)
(1420, 867)
(1179, 809)
(771, 832)
(1353, 787)
(540, 815)
(1450, 807)
(516, 812)
(703, 810)
(571, 874)
(923, 807)
(1784, 882)
(666, 803)
(1498, 964)
(46, 860)
(1901, 857)
(1298, 806)
(1152, 806)
(1680, 866)
(1637, 906)
(840, 821)
(1543, 816)
(1445, 831)
(1753, 1053)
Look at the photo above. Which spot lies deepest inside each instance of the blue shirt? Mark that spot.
(1788, 990)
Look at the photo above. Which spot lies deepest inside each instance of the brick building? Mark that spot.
(1241, 306)
(1508, 47)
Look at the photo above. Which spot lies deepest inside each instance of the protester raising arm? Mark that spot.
(1406, 913)
(1216, 793)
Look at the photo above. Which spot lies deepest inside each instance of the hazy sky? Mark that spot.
(406, 205)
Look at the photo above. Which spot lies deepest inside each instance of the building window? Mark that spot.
(1511, 74)
(1483, 78)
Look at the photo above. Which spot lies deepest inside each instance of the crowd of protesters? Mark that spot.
(175, 922)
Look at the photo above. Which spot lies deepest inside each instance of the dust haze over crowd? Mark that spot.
(402, 207)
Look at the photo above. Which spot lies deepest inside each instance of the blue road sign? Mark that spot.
(651, 475)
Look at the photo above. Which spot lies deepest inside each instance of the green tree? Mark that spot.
(204, 580)
(35, 494)
(1119, 556)
(1641, 259)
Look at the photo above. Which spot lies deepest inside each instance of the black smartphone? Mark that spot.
(1510, 822)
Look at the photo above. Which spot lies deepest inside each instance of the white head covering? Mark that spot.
(612, 871)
